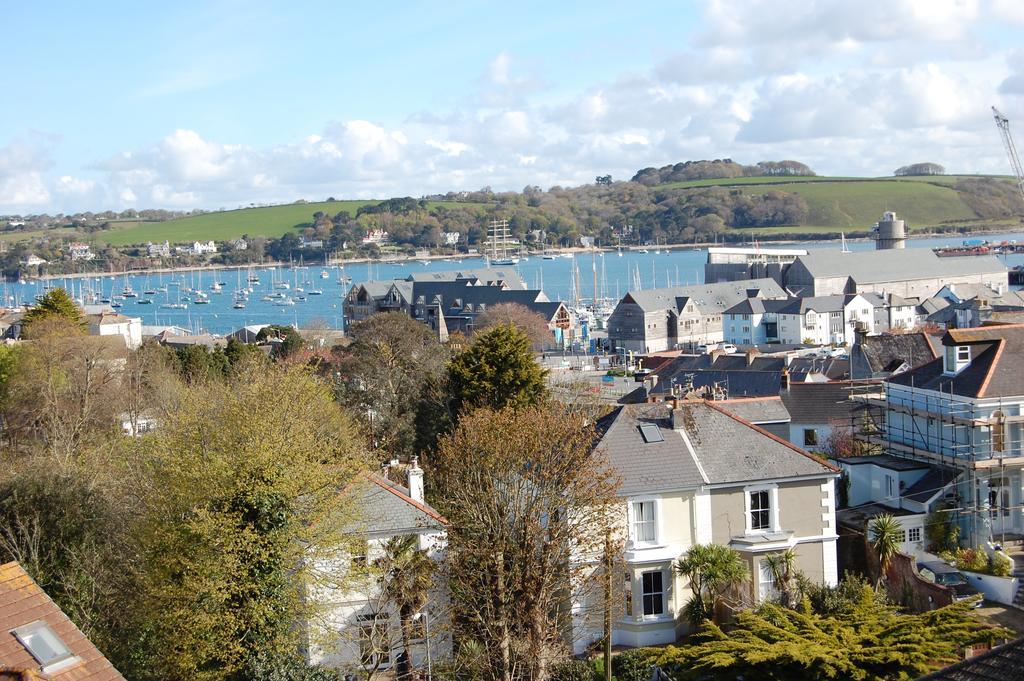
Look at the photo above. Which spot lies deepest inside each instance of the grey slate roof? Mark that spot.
(996, 368)
(930, 484)
(488, 276)
(757, 410)
(833, 368)
(707, 297)
(868, 267)
(1002, 663)
(819, 402)
(385, 507)
(762, 377)
(798, 305)
(879, 356)
(725, 449)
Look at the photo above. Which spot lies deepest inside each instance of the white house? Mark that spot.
(80, 251)
(359, 629)
(450, 238)
(821, 320)
(375, 236)
(159, 250)
(115, 324)
(903, 488)
(965, 409)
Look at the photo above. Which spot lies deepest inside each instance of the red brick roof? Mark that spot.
(23, 602)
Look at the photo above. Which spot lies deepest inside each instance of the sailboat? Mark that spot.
(499, 245)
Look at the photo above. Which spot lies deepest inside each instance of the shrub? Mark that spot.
(972, 560)
(573, 670)
(632, 665)
(1002, 566)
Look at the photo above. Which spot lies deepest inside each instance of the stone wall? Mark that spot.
(912, 591)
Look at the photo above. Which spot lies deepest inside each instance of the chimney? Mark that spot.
(860, 332)
(415, 481)
(677, 418)
(751, 354)
(785, 378)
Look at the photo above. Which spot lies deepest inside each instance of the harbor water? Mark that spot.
(312, 295)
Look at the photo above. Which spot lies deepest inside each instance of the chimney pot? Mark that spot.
(415, 481)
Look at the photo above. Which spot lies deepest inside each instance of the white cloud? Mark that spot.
(849, 88)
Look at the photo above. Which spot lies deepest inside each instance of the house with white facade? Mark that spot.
(359, 630)
(375, 236)
(904, 488)
(80, 251)
(694, 473)
(821, 320)
(159, 250)
(661, 319)
(964, 409)
(115, 324)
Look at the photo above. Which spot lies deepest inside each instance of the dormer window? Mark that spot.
(957, 358)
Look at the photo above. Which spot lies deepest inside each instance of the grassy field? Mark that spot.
(229, 224)
(858, 205)
(855, 204)
(11, 237)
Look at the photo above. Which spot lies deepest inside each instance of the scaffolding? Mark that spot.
(981, 444)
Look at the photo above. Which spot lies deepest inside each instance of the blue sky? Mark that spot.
(211, 104)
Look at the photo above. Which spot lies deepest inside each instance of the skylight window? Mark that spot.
(44, 644)
(651, 433)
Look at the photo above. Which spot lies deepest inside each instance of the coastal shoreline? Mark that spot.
(582, 250)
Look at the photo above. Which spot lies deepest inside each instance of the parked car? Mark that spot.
(729, 348)
(706, 348)
(945, 574)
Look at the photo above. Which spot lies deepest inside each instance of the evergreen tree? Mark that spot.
(498, 370)
(870, 642)
(55, 303)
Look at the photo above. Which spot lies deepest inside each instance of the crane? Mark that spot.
(1003, 123)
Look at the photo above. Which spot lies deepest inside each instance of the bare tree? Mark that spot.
(531, 506)
(532, 324)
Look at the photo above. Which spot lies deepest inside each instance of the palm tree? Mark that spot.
(885, 540)
(407, 573)
(783, 569)
(712, 570)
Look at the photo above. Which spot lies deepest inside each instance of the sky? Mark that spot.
(218, 104)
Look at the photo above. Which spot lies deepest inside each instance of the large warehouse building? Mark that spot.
(914, 272)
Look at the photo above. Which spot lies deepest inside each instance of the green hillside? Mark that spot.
(846, 203)
(266, 221)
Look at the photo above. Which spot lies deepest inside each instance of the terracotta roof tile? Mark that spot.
(23, 602)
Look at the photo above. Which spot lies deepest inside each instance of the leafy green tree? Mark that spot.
(885, 533)
(196, 364)
(498, 370)
(712, 569)
(291, 340)
(246, 507)
(68, 535)
(239, 353)
(406, 574)
(385, 376)
(55, 303)
(869, 642)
